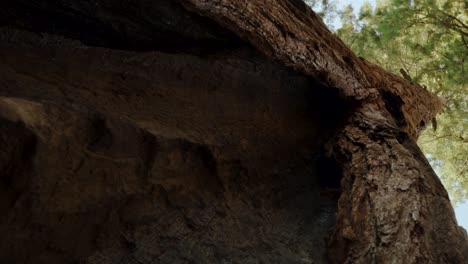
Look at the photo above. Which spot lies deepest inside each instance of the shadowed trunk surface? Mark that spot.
(208, 132)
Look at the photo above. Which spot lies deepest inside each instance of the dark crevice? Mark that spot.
(329, 172)
(151, 147)
(17, 150)
(99, 135)
(329, 108)
(393, 104)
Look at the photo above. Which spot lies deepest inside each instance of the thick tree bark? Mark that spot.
(226, 104)
(393, 208)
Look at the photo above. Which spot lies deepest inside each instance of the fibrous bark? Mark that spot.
(206, 132)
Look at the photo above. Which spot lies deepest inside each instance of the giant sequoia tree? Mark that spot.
(208, 132)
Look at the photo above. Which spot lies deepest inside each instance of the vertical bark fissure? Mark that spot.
(393, 192)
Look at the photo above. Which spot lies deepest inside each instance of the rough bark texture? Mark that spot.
(208, 132)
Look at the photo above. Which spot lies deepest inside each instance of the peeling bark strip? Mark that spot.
(393, 208)
(159, 132)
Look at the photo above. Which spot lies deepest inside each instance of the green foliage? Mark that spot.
(429, 40)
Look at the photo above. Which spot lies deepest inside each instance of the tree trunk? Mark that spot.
(221, 131)
(393, 207)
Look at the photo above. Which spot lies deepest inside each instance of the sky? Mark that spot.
(461, 210)
(355, 3)
(356, 7)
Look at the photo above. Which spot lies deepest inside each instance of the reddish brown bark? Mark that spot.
(393, 208)
(163, 136)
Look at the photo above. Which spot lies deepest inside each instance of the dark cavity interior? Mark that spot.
(121, 144)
